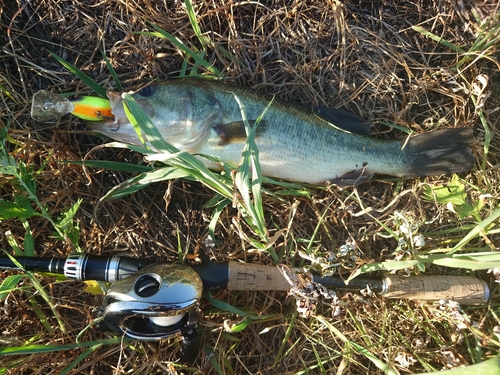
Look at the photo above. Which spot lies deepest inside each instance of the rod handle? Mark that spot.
(463, 289)
(245, 276)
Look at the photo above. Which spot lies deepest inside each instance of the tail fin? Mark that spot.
(444, 151)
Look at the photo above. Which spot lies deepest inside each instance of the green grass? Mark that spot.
(322, 338)
(248, 182)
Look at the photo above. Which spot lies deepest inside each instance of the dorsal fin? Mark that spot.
(344, 120)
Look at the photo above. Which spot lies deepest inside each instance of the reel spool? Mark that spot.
(157, 302)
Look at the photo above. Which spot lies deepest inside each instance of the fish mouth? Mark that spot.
(118, 127)
(117, 109)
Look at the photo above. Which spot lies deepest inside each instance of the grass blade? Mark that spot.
(438, 39)
(248, 176)
(80, 358)
(112, 71)
(137, 183)
(223, 305)
(477, 230)
(358, 348)
(38, 349)
(194, 23)
(183, 160)
(8, 285)
(473, 261)
(160, 33)
(112, 165)
(101, 90)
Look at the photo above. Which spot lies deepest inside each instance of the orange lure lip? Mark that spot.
(92, 109)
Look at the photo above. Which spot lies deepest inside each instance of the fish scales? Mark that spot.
(294, 143)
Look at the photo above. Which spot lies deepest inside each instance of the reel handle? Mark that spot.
(188, 352)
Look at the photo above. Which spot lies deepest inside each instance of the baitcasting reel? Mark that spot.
(156, 302)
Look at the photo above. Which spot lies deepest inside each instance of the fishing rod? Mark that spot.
(150, 300)
(244, 276)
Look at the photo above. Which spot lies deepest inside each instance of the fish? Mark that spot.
(313, 145)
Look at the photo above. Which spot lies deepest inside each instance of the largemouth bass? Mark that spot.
(295, 143)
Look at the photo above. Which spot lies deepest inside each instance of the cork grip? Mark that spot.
(244, 276)
(463, 289)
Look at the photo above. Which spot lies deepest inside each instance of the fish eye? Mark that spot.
(146, 91)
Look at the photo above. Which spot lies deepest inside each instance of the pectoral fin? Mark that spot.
(352, 178)
(235, 131)
(344, 120)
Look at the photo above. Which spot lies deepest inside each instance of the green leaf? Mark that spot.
(13, 243)
(143, 124)
(382, 266)
(472, 261)
(223, 305)
(29, 241)
(241, 325)
(8, 284)
(67, 227)
(194, 23)
(453, 192)
(248, 176)
(358, 348)
(489, 367)
(477, 230)
(482, 261)
(26, 177)
(139, 182)
(218, 209)
(20, 209)
(182, 160)
(80, 358)
(66, 220)
(465, 210)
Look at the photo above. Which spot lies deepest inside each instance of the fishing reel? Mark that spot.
(157, 302)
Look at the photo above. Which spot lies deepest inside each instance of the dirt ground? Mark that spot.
(363, 56)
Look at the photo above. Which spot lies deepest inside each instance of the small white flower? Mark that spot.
(496, 331)
(344, 250)
(402, 243)
(419, 343)
(405, 359)
(367, 292)
(451, 358)
(496, 273)
(418, 240)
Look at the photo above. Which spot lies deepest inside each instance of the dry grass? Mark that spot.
(361, 56)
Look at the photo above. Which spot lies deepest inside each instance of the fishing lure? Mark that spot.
(47, 106)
